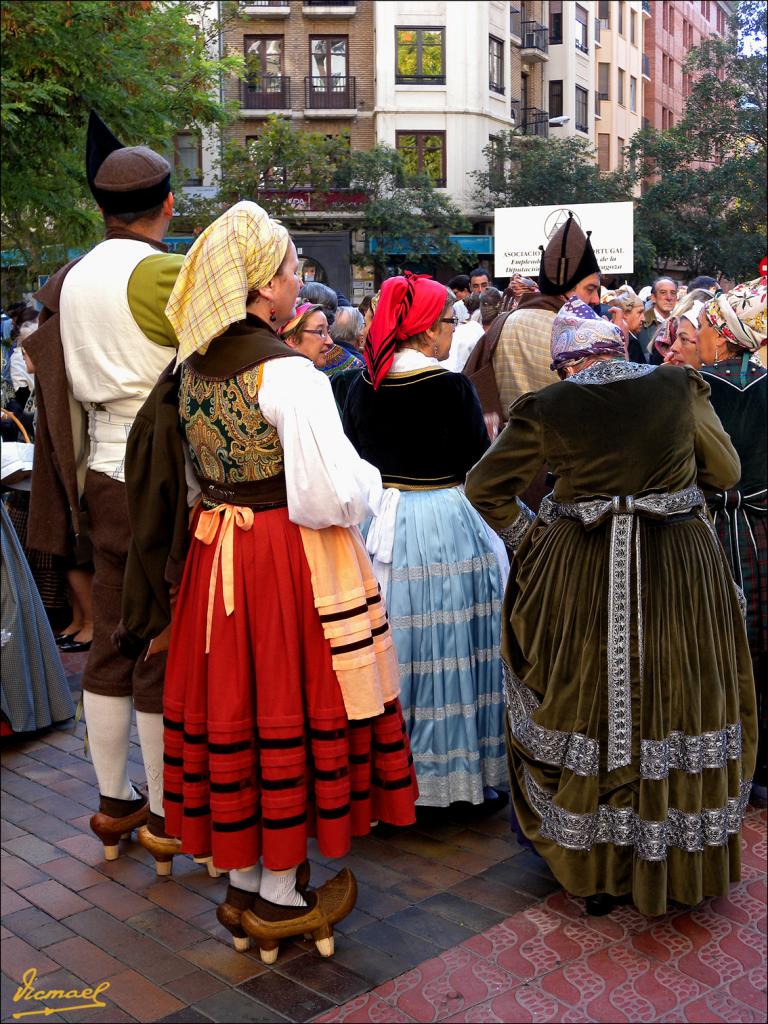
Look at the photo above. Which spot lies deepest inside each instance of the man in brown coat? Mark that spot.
(103, 342)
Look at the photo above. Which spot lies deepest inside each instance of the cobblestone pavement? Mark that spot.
(454, 922)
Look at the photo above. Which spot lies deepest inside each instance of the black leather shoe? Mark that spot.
(75, 646)
(600, 904)
(64, 638)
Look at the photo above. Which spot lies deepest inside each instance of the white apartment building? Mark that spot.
(570, 71)
(443, 85)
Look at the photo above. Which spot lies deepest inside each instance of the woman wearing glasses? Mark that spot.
(307, 332)
(423, 428)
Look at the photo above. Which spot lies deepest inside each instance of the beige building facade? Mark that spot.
(619, 78)
(308, 61)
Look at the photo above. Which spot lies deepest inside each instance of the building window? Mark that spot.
(582, 110)
(633, 28)
(620, 88)
(423, 152)
(604, 80)
(555, 21)
(671, 20)
(582, 29)
(633, 94)
(604, 13)
(188, 158)
(495, 65)
(420, 56)
(327, 59)
(622, 5)
(670, 119)
(620, 152)
(664, 15)
(556, 99)
(263, 56)
(604, 152)
(495, 156)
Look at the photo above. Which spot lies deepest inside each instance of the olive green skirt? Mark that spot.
(663, 824)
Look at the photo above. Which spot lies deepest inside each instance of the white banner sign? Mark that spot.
(520, 230)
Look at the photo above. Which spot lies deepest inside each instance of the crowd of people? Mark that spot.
(457, 545)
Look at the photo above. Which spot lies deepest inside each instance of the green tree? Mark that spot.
(526, 170)
(145, 67)
(289, 172)
(403, 213)
(704, 201)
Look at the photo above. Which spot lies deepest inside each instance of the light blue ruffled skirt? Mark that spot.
(444, 601)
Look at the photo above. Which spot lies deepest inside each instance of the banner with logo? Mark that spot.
(520, 230)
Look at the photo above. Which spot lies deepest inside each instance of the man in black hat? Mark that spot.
(522, 358)
(103, 342)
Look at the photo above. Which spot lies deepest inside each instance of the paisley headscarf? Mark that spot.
(740, 314)
(407, 306)
(240, 251)
(578, 332)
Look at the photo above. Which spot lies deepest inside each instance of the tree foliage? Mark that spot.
(526, 170)
(145, 67)
(295, 174)
(704, 205)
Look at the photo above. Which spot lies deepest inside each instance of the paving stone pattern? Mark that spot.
(454, 922)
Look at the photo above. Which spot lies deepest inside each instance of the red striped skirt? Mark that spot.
(259, 752)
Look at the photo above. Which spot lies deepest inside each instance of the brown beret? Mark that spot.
(132, 169)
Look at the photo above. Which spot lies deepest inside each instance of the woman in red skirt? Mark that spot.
(282, 719)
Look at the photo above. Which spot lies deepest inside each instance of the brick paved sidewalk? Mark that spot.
(493, 935)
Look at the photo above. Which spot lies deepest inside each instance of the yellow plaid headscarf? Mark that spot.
(240, 251)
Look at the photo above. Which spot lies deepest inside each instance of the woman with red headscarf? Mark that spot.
(423, 428)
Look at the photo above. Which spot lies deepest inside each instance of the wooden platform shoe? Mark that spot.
(163, 847)
(116, 819)
(229, 912)
(267, 923)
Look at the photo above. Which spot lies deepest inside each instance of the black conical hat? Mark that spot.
(100, 144)
(567, 259)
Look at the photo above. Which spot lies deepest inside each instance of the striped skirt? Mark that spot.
(260, 753)
(444, 599)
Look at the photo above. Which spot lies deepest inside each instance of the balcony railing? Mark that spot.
(334, 93)
(419, 79)
(272, 92)
(582, 45)
(515, 22)
(267, 3)
(535, 36)
(329, 3)
(535, 122)
(646, 65)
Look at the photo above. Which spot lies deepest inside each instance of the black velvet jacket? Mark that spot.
(423, 429)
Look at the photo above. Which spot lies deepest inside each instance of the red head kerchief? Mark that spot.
(407, 306)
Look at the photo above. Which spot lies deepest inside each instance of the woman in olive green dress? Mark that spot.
(631, 702)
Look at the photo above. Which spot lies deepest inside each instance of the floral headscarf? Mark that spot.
(578, 332)
(740, 314)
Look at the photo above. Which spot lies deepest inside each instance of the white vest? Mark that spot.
(111, 364)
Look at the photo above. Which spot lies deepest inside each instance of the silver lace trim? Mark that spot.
(623, 512)
(477, 564)
(448, 664)
(440, 791)
(451, 617)
(692, 754)
(621, 826)
(619, 676)
(572, 750)
(485, 700)
(513, 535)
(607, 372)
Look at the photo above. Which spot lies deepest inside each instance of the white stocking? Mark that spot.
(150, 729)
(108, 720)
(280, 887)
(248, 879)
